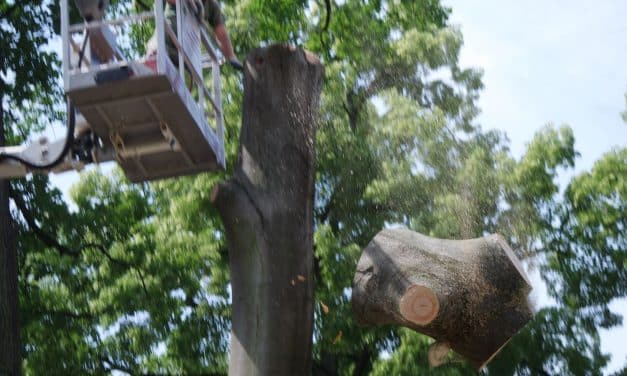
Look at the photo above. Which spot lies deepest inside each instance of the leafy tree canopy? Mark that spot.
(135, 278)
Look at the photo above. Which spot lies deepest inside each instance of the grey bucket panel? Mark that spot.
(135, 109)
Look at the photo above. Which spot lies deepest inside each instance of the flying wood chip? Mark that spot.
(324, 308)
(470, 294)
(338, 337)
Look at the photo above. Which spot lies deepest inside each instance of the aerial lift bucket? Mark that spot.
(142, 109)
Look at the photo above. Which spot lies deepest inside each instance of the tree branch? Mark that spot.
(324, 215)
(364, 362)
(50, 241)
(189, 300)
(43, 236)
(233, 201)
(111, 365)
(316, 267)
(328, 19)
(8, 12)
(141, 278)
(66, 314)
(100, 248)
(77, 314)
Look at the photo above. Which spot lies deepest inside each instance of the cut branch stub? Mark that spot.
(471, 294)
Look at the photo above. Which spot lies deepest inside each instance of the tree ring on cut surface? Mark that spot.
(419, 305)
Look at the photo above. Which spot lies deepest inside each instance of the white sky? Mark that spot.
(560, 61)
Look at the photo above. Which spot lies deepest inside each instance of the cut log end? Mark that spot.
(438, 351)
(419, 305)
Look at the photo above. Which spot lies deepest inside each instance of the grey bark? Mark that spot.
(481, 289)
(10, 355)
(267, 211)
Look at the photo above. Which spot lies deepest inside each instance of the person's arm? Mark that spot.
(224, 41)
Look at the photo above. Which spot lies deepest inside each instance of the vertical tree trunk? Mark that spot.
(10, 358)
(267, 210)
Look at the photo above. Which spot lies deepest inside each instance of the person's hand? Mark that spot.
(236, 64)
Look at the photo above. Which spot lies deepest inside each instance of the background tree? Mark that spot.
(135, 277)
(27, 103)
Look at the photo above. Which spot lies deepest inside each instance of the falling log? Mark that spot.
(470, 294)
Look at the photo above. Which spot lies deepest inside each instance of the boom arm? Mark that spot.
(37, 153)
(45, 156)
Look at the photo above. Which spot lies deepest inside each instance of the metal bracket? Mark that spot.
(37, 153)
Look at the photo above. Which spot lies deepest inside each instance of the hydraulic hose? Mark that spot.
(58, 159)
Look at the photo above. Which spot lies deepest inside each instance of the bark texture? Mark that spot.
(10, 357)
(470, 294)
(267, 211)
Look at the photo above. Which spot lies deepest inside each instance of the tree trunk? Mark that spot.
(470, 294)
(10, 354)
(267, 211)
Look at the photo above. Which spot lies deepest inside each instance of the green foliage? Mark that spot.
(410, 358)
(131, 289)
(558, 341)
(590, 249)
(135, 277)
(581, 237)
(29, 93)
